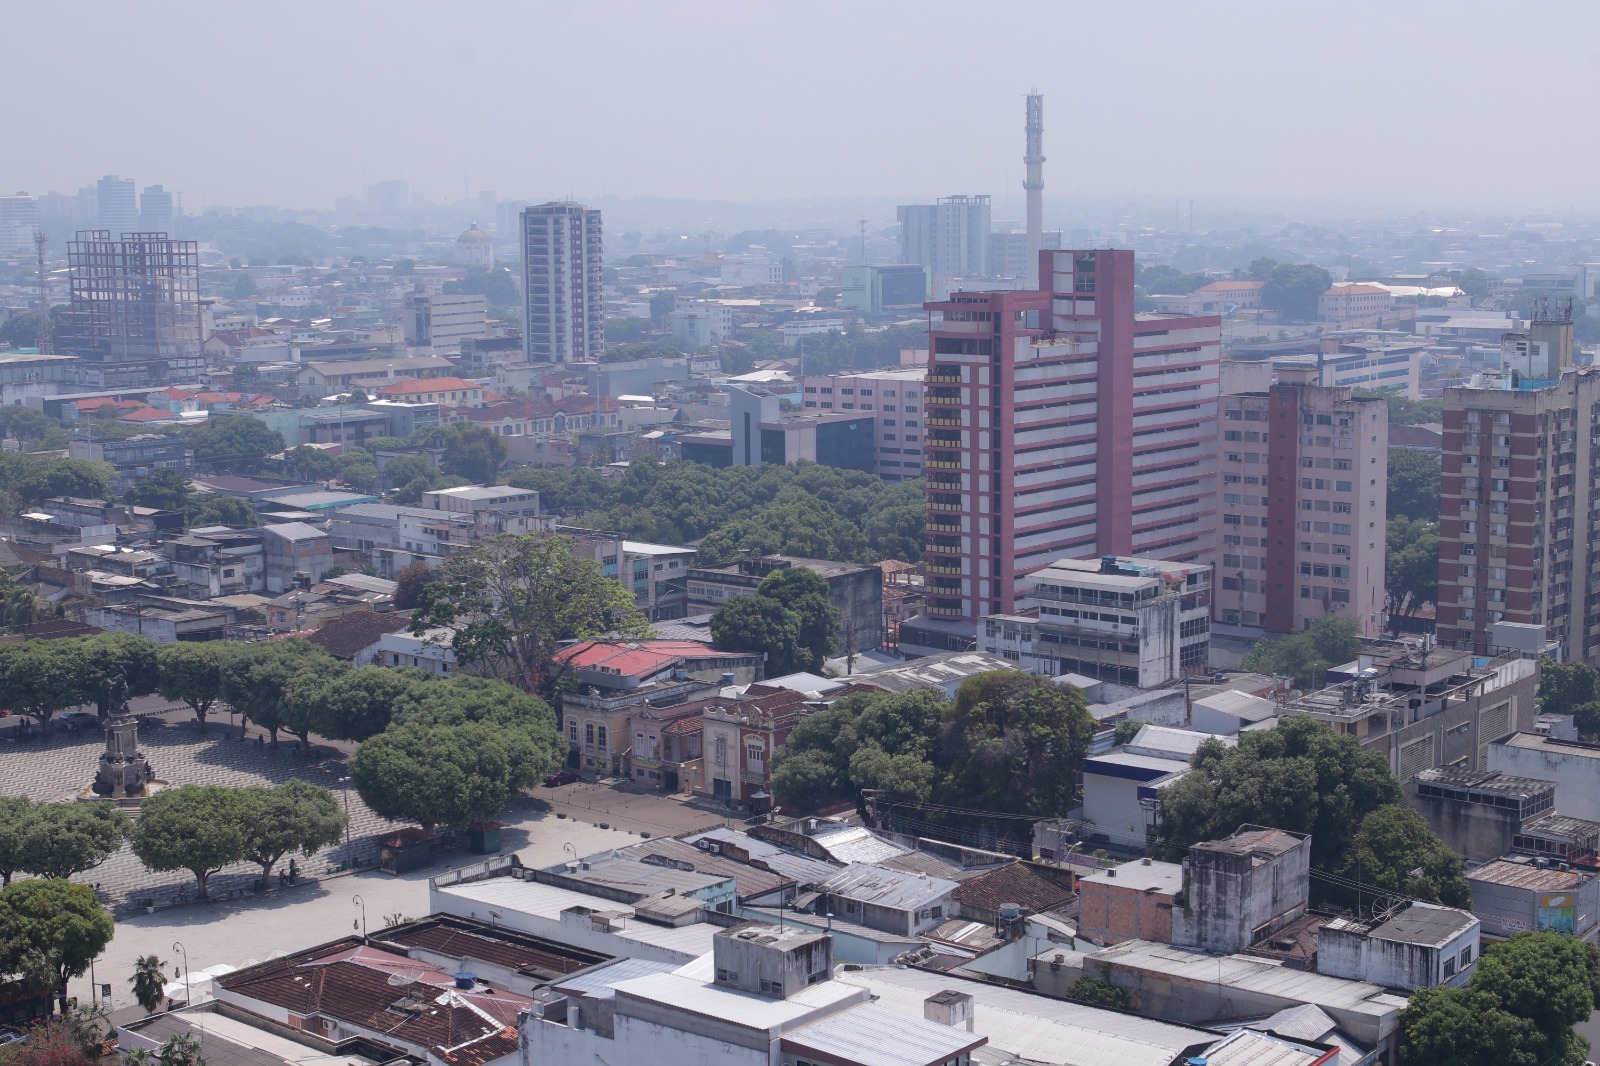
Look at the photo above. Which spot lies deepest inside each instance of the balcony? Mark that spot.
(943, 401)
(941, 527)
(954, 507)
(941, 549)
(953, 421)
(939, 568)
(942, 464)
(943, 612)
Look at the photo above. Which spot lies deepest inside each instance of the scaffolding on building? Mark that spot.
(134, 316)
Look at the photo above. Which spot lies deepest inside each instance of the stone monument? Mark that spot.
(123, 772)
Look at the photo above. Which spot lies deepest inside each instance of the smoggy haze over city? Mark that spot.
(1461, 105)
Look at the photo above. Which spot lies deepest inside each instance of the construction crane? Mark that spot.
(43, 341)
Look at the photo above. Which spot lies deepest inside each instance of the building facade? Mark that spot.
(563, 318)
(443, 322)
(134, 316)
(1303, 505)
(894, 396)
(948, 238)
(1060, 424)
(1141, 622)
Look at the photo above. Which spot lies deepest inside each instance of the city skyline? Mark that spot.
(1242, 112)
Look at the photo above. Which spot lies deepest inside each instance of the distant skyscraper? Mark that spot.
(156, 213)
(949, 238)
(563, 319)
(117, 205)
(134, 315)
(389, 198)
(19, 218)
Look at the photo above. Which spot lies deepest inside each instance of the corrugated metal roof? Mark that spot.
(852, 843)
(887, 888)
(1037, 1028)
(870, 1035)
(599, 983)
(1249, 1048)
(696, 995)
(512, 897)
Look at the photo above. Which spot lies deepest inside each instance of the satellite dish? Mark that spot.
(401, 978)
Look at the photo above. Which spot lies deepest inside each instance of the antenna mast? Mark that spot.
(43, 340)
(1033, 184)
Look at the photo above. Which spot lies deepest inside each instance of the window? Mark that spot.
(572, 731)
(588, 733)
(600, 737)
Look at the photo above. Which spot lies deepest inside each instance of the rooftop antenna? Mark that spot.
(43, 339)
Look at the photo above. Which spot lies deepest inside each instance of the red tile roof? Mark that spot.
(425, 385)
(94, 404)
(634, 658)
(1232, 286)
(1034, 887)
(348, 635)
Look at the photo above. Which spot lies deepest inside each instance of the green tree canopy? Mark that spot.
(50, 931)
(256, 678)
(409, 583)
(442, 774)
(16, 817)
(1413, 485)
(215, 509)
(1396, 851)
(511, 600)
(1293, 290)
(191, 672)
(1411, 568)
(63, 839)
(1300, 776)
(885, 742)
(293, 816)
(357, 704)
(473, 452)
(1571, 688)
(79, 478)
(166, 489)
(1016, 743)
(764, 626)
(234, 444)
(199, 828)
(1307, 655)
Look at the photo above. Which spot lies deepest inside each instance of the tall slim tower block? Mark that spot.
(563, 278)
(1034, 185)
(1303, 505)
(117, 205)
(1060, 424)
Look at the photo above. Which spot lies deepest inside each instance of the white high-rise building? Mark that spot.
(156, 212)
(949, 238)
(563, 318)
(118, 205)
(19, 218)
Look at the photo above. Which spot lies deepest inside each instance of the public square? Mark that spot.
(242, 924)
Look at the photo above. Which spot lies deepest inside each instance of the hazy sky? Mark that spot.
(1487, 105)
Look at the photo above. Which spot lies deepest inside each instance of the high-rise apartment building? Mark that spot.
(1302, 504)
(1518, 496)
(894, 396)
(949, 238)
(156, 212)
(19, 220)
(391, 197)
(563, 317)
(134, 316)
(1061, 424)
(117, 205)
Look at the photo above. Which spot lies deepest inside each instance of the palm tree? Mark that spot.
(149, 982)
(181, 1049)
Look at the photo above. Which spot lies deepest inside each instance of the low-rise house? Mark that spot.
(1419, 945)
(1574, 766)
(430, 651)
(1133, 901)
(1525, 895)
(356, 638)
(295, 555)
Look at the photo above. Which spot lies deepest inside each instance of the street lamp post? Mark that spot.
(177, 946)
(359, 902)
(344, 783)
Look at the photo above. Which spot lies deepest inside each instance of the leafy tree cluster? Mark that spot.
(232, 444)
(1303, 777)
(1009, 743)
(510, 601)
(203, 828)
(27, 479)
(1411, 568)
(1162, 280)
(1098, 993)
(1413, 485)
(41, 678)
(806, 510)
(496, 284)
(50, 930)
(1404, 411)
(73, 1038)
(788, 618)
(456, 752)
(1571, 688)
(1291, 288)
(1307, 655)
(1518, 1008)
(56, 840)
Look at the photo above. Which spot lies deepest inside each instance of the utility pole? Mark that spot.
(43, 341)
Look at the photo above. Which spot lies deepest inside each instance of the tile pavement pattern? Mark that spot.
(57, 766)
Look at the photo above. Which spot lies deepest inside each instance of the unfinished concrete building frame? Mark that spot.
(134, 318)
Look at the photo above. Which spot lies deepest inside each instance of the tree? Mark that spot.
(409, 583)
(884, 742)
(293, 816)
(1413, 485)
(63, 839)
(762, 625)
(404, 469)
(1300, 776)
(165, 489)
(1571, 688)
(24, 423)
(357, 704)
(192, 672)
(511, 600)
(1411, 569)
(149, 982)
(16, 816)
(310, 464)
(255, 678)
(80, 478)
(1015, 743)
(1127, 729)
(437, 775)
(72, 1038)
(804, 593)
(40, 678)
(199, 828)
(1098, 993)
(1307, 655)
(1293, 290)
(301, 708)
(234, 444)
(180, 1049)
(473, 452)
(214, 509)
(1394, 850)
(1519, 1007)
(1474, 282)
(51, 931)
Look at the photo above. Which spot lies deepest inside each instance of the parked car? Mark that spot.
(78, 720)
(562, 777)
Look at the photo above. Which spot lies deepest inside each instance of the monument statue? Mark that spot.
(123, 770)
